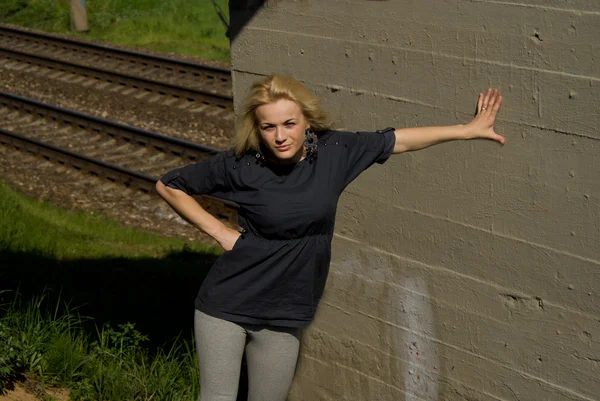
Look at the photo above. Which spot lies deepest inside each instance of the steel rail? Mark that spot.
(110, 171)
(183, 66)
(190, 150)
(94, 166)
(222, 101)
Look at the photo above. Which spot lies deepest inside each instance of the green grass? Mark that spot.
(47, 342)
(30, 226)
(180, 26)
(117, 273)
(114, 275)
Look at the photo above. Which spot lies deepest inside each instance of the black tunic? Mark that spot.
(276, 272)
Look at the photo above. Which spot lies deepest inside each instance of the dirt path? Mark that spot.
(20, 393)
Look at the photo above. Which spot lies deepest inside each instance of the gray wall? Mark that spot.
(467, 271)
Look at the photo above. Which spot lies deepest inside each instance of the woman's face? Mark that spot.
(282, 125)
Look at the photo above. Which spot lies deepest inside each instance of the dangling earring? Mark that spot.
(310, 143)
(260, 158)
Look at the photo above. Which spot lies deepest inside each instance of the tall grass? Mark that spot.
(180, 26)
(47, 340)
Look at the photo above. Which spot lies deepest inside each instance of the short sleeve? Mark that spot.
(366, 148)
(204, 178)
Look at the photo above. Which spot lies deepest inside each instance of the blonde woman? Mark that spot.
(286, 171)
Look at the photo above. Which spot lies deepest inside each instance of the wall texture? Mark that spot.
(466, 271)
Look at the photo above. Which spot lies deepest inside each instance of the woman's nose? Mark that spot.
(279, 135)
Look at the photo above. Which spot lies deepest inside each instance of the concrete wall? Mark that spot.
(467, 271)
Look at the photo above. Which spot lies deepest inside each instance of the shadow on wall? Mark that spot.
(240, 13)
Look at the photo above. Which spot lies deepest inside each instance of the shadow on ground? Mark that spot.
(155, 294)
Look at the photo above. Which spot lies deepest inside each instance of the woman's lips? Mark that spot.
(283, 148)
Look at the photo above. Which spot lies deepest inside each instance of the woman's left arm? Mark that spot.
(482, 126)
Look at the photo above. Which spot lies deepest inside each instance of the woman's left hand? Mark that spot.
(482, 126)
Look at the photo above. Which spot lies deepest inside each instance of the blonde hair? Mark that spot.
(269, 90)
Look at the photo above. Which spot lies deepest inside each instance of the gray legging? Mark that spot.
(271, 354)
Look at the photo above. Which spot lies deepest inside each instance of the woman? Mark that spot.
(287, 171)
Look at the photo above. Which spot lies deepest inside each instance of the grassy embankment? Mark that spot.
(119, 274)
(180, 26)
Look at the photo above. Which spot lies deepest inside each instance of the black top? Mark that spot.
(276, 272)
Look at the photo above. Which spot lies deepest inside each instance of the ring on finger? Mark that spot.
(483, 108)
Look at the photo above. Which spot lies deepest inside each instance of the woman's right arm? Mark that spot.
(193, 213)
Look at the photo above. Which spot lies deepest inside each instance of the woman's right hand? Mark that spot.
(227, 238)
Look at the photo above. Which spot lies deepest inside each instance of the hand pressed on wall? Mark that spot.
(482, 126)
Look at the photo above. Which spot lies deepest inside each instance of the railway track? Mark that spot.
(105, 149)
(155, 68)
(125, 84)
(124, 76)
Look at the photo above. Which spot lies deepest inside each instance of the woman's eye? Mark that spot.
(290, 124)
